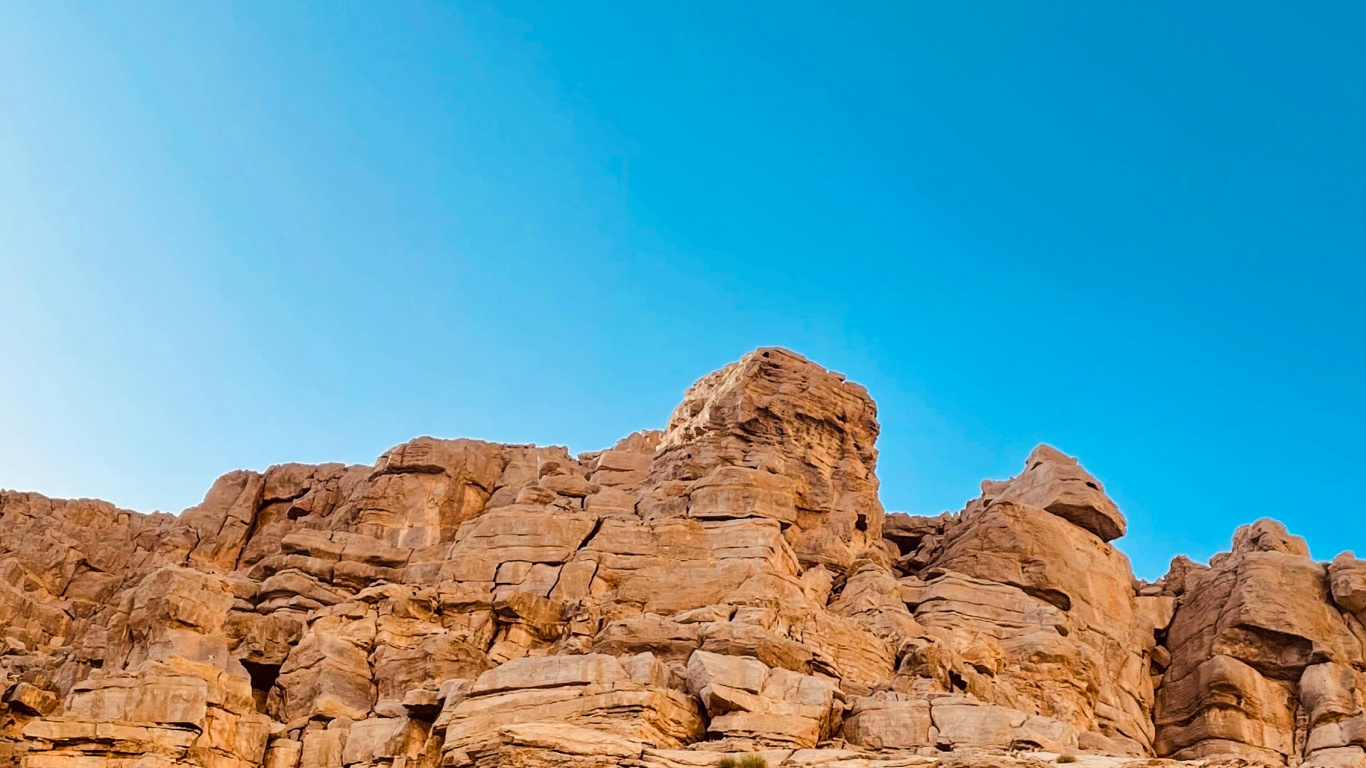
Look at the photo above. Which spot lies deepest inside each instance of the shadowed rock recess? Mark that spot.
(727, 586)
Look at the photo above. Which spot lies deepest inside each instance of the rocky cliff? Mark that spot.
(727, 587)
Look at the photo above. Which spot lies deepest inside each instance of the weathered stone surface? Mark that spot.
(778, 413)
(749, 703)
(1256, 638)
(728, 587)
(592, 690)
(1055, 482)
(890, 721)
(1058, 602)
(961, 722)
(1348, 578)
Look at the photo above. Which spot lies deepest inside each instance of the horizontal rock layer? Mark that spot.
(726, 589)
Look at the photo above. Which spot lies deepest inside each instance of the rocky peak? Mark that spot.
(776, 420)
(1267, 535)
(1056, 482)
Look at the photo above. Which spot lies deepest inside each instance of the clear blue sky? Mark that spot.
(236, 234)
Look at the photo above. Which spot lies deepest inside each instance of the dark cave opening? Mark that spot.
(957, 682)
(263, 677)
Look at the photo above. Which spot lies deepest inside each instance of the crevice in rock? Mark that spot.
(1053, 597)
(588, 539)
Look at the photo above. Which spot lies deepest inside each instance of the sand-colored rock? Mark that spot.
(777, 413)
(728, 587)
(1055, 482)
(1255, 639)
(1347, 577)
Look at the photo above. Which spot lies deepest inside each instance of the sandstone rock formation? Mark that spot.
(728, 586)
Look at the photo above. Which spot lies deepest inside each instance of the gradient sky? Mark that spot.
(237, 234)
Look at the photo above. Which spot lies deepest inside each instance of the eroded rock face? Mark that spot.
(726, 587)
(1261, 657)
(779, 437)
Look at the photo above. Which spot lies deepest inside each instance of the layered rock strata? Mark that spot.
(729, 586)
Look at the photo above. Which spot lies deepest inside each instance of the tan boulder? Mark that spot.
(589, 691)
(731, 492)
(1055, 482)
(963, 722)
(890, 721)
(651, 632)
(171, 612)
(1347, 576)
(29, 699)
(770, 708)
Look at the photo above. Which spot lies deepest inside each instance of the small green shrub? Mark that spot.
(748, 761)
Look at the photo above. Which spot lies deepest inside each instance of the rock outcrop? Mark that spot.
(727, 587)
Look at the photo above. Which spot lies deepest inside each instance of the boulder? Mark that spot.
(890, 721)
(1347, 576)
(1055, 482)
(591, 691)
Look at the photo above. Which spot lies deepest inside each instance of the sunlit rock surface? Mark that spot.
(728, 587)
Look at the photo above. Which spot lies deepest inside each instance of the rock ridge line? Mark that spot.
(727, 588)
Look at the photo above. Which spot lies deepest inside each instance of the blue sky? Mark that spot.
(237, 234)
